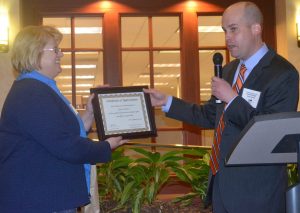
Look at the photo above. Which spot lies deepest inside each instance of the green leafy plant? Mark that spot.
(112, 176)
(132, 183)
(156, 170)
(194, 172)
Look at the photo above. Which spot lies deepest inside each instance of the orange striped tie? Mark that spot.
(240, 79)
(215, 152)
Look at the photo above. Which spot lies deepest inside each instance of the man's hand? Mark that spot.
(157, 98)
(222, 90)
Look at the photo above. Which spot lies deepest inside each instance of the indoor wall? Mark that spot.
(286, 11)
(6, 72)
(286, 16)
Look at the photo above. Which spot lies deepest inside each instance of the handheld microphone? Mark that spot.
(218, 60)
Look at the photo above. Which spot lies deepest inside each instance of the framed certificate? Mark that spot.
(123, 111)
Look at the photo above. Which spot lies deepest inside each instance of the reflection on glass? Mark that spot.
(162, 121)
(210, 32)
(134, 32)
(135, 65)
(88, 32)
(89, 73)
(166, 63)
(167, 72)
(207, 137)
(165, 31)
(167, 79)
(88, 64)
(65, 77)
(64, 26)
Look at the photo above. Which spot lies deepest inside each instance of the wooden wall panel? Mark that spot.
(112, 49)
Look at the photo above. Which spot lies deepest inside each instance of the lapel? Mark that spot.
(231, 68)
(228, 75)
(259, 68)
(230, 71)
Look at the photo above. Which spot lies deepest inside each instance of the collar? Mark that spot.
(251, 62)
(38, 76)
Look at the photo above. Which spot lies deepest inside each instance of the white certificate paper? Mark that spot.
(124, 112)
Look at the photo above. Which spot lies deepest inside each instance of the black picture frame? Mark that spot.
(123, 111)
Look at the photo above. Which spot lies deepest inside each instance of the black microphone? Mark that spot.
(218, 60)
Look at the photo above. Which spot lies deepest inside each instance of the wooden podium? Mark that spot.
(272, 139)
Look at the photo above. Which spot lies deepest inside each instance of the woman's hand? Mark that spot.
(115, 142)
(88, 115)
(89, 105)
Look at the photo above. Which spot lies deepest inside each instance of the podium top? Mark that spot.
(267, 139)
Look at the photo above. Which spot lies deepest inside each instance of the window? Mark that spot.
(151, 56)
(211, 39)
(82, 64)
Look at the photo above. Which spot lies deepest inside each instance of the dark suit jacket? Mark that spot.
(42, 153)
(254, 188)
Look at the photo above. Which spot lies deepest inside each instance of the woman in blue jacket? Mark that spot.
(44, 152)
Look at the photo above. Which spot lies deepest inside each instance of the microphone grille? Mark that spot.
(218, 58)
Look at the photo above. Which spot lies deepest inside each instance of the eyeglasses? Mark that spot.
(55, 49)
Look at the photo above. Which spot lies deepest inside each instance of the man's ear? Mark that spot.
(256, 29)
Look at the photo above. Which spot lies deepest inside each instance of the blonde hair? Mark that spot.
(29, 44)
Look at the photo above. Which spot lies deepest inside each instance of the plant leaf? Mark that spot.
(138, 201)
(126, 193)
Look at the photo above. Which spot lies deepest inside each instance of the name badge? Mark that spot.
(251, 96)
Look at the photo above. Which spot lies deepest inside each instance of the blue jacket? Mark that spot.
(42, 153)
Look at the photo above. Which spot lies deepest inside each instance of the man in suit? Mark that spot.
(272, 82)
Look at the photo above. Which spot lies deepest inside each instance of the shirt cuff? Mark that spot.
(166, 107)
